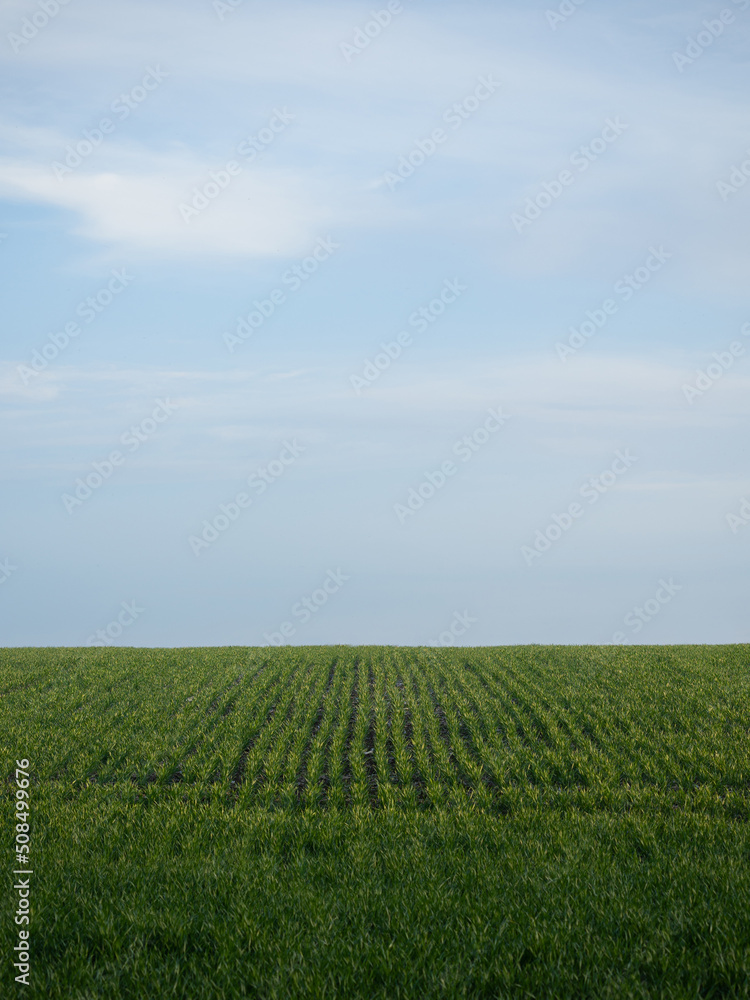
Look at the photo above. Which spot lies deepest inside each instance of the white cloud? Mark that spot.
(612, 394)
(260, 213)
(593, 392)
(354, 120)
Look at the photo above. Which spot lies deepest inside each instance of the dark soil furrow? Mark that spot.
(370, 765)
(418, 779)
(301, 778)
(389, 745)
(238, 775)
(353, 711)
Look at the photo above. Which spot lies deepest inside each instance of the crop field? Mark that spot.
(361, 822)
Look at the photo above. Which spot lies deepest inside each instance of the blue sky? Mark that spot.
(478, 259)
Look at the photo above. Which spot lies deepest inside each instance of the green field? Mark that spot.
(378, 822)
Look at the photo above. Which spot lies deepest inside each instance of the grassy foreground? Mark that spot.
(376, 822)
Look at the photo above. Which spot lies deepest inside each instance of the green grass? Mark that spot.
(561, 822)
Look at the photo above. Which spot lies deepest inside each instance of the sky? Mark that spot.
(421, 323)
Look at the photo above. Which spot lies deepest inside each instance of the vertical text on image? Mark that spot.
(22, 949)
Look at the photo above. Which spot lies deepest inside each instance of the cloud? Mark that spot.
(574, 406)
(595, 392)
(260, 212)
(354, 121)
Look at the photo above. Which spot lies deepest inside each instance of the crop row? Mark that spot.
(382, 726)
